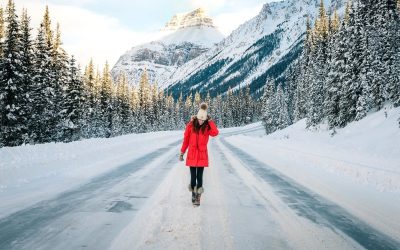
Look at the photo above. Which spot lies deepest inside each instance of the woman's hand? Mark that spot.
(209, 118)
(192, 118)
(181, 156)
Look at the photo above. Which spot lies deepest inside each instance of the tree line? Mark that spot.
(45, 96)
(348, 67)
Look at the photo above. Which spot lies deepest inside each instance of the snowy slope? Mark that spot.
(183, 38)
(263, 46)
(293, 189)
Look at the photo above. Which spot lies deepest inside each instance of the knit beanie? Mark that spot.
(202, 114)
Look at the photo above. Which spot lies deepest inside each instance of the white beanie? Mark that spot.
(202, 114)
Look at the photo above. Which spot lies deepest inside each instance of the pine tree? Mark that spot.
(153, 108)
(28, 72)
(1, 31)
(336, 76)
(134, 103)
(106, 102)
(319, 69)
(118, 104)
(59, 75)
(44, 122)
(347, 12)
(47, 27)
(247, 112)
(269, 107)
(227, 106)
(90, 86)
(125, 103)
(303, 80)
(179, 107)
(282, 116)
(144, 103)
(12, 90)
(335, 22)
(73, 104)
(187, 109)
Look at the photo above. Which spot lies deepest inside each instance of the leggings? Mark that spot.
(196, 173)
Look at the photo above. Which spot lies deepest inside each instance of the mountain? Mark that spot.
(261, 47)
(184, 37)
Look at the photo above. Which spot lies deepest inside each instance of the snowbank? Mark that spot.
(32, 172)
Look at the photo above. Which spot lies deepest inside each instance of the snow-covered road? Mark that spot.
(250, 202)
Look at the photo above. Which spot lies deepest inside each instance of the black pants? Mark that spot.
(196, 173)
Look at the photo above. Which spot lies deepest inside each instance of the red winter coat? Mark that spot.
(197, 155)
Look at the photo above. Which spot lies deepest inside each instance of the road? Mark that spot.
(145, 204)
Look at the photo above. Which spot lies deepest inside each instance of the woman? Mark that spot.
(196, 136)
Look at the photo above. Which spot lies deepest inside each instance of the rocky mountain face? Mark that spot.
(184, 37)
(260, 48)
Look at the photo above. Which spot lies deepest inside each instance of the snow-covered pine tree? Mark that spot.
(1, 30)
(187, 109)
(27, 75)
(73, 104)
(302, 81)
(336, 74)
(170, 121)
(144, 103)
(106, 103)
(43, 114)
(126, 111)
(269, 111)
(134, 104)
(217, 110)
(319, 70)
(227, 107)
(349, 90)
(180, 121)
(97, 114)
(61, 77)
(196, 101)
(247, 111)
(378, 58)
(347, 11)
(12, 90)
(154, 107)
(290, 89)
(282, 115)
(356, 58)
(392, 46)
(118, 103)
(90, 84)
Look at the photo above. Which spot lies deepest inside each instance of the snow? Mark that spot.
(193, 31)
(358, 168)
(293, 189)
(288, 15)
(201, 35)
(27, 171)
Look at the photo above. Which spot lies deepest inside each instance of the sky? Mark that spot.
(104, 29)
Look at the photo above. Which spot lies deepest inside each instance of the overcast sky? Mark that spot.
(105, 29)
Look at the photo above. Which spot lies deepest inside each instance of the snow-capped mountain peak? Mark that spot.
(196, 17)
(183, 38)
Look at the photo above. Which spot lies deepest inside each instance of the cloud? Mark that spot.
(229, 21)
(87, 34)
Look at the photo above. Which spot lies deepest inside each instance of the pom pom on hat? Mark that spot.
(203, 105)
(202, 114)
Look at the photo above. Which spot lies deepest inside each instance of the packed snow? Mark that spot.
(293, 189)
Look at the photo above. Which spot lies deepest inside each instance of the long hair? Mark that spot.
(197, 126)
